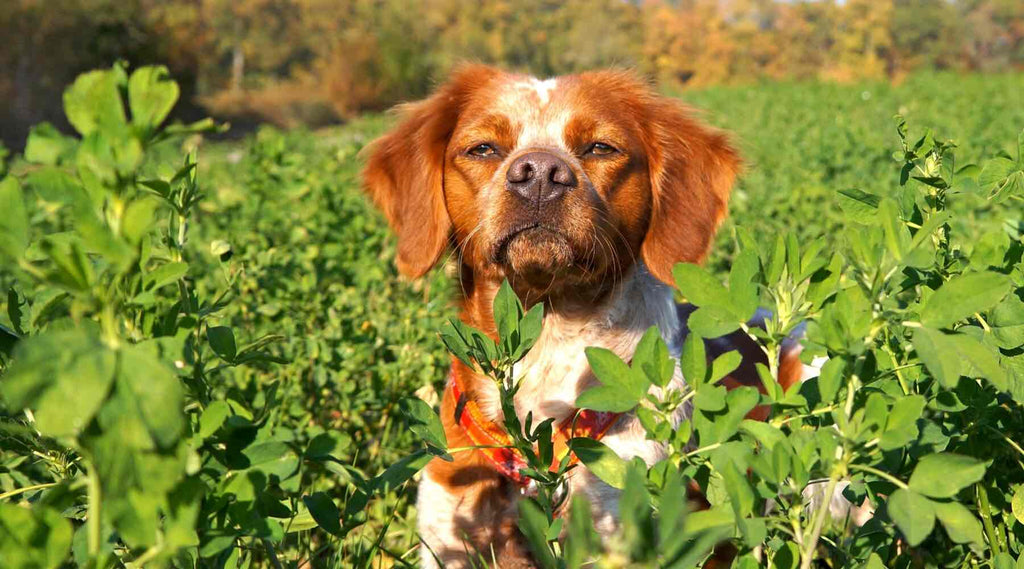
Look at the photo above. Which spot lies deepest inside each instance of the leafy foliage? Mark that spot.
(212, 366)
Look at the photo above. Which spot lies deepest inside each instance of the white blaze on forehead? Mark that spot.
(544, 89)
(540, 88)
(541, 124)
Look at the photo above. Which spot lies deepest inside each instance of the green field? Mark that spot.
(312, 262)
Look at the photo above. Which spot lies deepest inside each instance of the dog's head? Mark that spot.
(555, 184)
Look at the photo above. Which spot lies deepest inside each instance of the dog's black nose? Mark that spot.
(539, 177)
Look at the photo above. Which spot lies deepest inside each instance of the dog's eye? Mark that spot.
(482, 150)
(601, 149)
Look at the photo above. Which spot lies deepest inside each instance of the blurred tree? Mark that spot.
(862, 41)
(924, 33)
(49, 42)
(313, 61)
(992, 34)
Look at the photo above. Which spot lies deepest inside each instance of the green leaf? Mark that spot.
(776, 261)
(401, 471)
(943, 475)
(742, 285)
(1002, 178)
(873, 562)
(271, 458)
(555, 529)
(897, 239)
(901, 426)
(859, 206)
(456, 344)
(423, 421)
(1007, 323)
(716, 427)
(13, 219)
(164, 275)
(673, 503)
(154, 391)
(46, 145)
(713, 322)
(830, 379)
(961, 525)
(982, 358)
(601, 460)
(995, 171)
(582, 538)
(767, 435)
(137, 220)
(693, 361)
(962, 296)
(1017, 504)
(710, 398)
(64, 376)
(607, 398)
(1003, 561)
(787, 557)
(725, 364)
(914, 514)
(151, 96)
(611, 371)
(323, 510)
(54, 185)
(93, 102)
(938, 353)
(534, 526)
(737, 485)
(222, 340)
(507, 311)
(701, 288)
(652, 358)
(529, 329)
(72, 269)
(33, 538)
(212, 418)
(8, 339)
(326, 445)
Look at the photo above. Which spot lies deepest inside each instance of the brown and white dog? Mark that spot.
(583, 191)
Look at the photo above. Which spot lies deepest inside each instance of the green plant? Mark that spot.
(916, 413)
(309, 265)
(114, 366)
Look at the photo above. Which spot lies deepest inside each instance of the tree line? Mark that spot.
(312, 62)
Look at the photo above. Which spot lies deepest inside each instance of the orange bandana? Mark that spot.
(509, 461)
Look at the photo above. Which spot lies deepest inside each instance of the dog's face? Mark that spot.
(555, 184)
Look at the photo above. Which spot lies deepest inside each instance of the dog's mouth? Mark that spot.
(522, 230)
(537, 251)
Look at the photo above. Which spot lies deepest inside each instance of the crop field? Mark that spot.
(207, 352)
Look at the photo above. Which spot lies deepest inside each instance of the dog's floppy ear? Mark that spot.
(692, 169)
(404, 171)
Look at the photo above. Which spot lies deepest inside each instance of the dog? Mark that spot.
(583, 191)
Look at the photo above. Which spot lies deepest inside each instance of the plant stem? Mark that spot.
(94, 497)
(982, 322)
(807, 553)
(879, 473)
(1008, 440)
(821, 411)
(17, 491)
(986, 519)
(702, 449)
(476, 447)
(148, 554)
